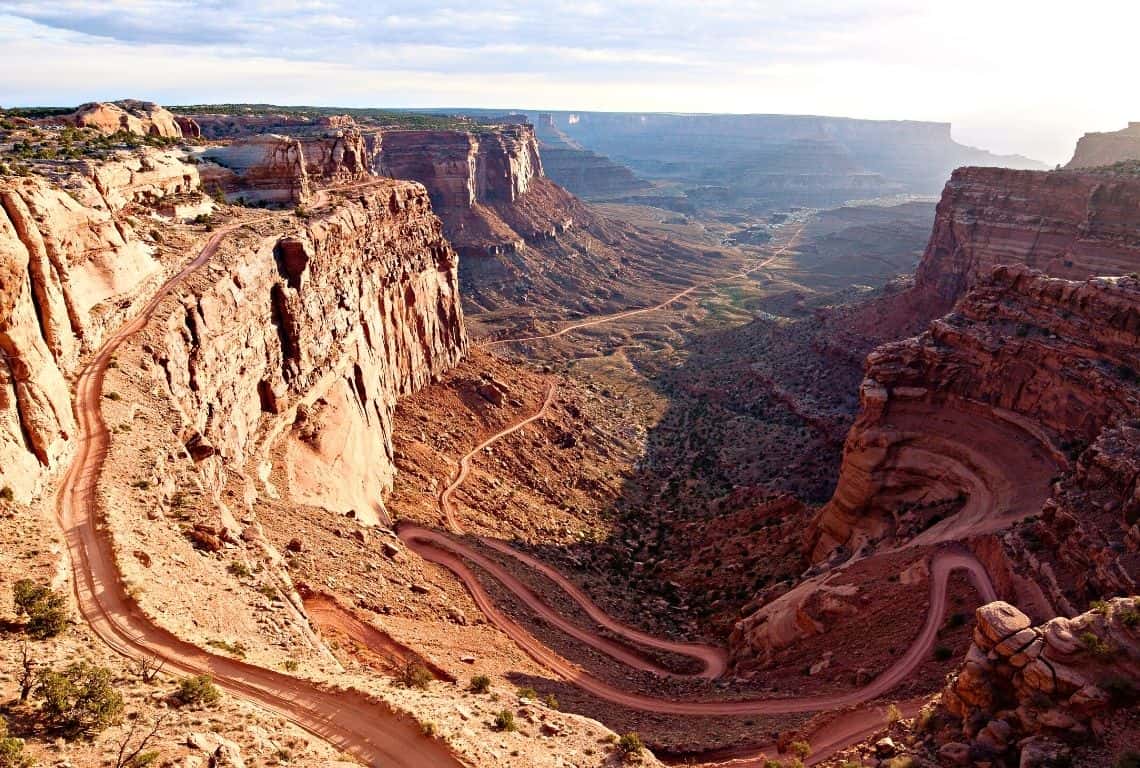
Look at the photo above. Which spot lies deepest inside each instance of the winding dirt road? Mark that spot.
(363, 727)
(656, 307)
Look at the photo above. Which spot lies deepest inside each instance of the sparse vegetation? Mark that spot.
(505, 721)
(236, 648)
(630, 746)
(45, 608)
(1096, 646)
(11, 749)
(79, 699)
(550, 701)
(197, 691)
(7, 494)
(480, 684)
(429, 728)
(894, 714)
(241, 570)
(527, 693)
(800, 749)
(416, 675)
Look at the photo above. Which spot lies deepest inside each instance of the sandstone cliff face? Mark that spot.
(1097, 149)
(268, 168)
(141, 117)
(69, 267)
(481, 185)
(1024, 690)
(977, 412)
(1065, 224)
(323, 328)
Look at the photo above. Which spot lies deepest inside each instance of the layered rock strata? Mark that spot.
(981, 408)
(1065, 224)
(70, 267)
(325, 328)
(1109, 148)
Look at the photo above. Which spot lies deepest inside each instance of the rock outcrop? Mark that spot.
(70, 267)
(1024, 690)
(1098, 149)
(324, 327)
(142, 117)
(976, 414)
(481, 184)
(260, 169)
(1065, 224)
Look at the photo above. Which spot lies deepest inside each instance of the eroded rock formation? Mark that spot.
(1097, 149)
(325, 327)
(142, 117)
(1024, 691)
(976, 412)
(1065, 224)
(267, 168)
(70, 267)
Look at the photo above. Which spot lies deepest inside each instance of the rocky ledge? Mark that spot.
(972, 420)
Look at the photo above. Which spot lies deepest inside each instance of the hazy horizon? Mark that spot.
(1015, 79)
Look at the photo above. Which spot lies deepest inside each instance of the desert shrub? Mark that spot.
(197, 691)
(80, 698)
(630, 745)
(894, 714)
(7, 494)
(45, 608)
(11, 749)
(143, 759)
(800, 749)
(429, 728)
(550, 701)
(1096, 646)
(1129, 617)
(505, 721)
(902, 761)
(292, 665)
(241, 570)
(527, 693)
(480, 684)
(415, 675)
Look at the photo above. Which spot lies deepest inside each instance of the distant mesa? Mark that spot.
(1099, 149)
(144, 118)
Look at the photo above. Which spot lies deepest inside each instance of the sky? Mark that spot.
(1011, 76)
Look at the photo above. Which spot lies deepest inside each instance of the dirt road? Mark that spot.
(365, 728)
(656, 307)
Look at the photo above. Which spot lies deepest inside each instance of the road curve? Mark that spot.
(450, 553)
(675, 297)
(354, 723)
(713, 660)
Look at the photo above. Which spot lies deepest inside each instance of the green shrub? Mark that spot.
(241, 570)
(45, 608)
(1098, 647)
(11, 749)
(800, 749)
(81, 698)
(505, 721)
(550, 701)
(415, 675)
(143, 759)
(429, 728)
(480, 684)
(197, 691)
(527, 693)
(630, 745)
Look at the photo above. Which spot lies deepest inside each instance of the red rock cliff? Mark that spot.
(1065, 224)
(977, 413)
(321, 329)
(70, 268)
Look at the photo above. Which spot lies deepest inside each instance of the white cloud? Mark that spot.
(1011, 75)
